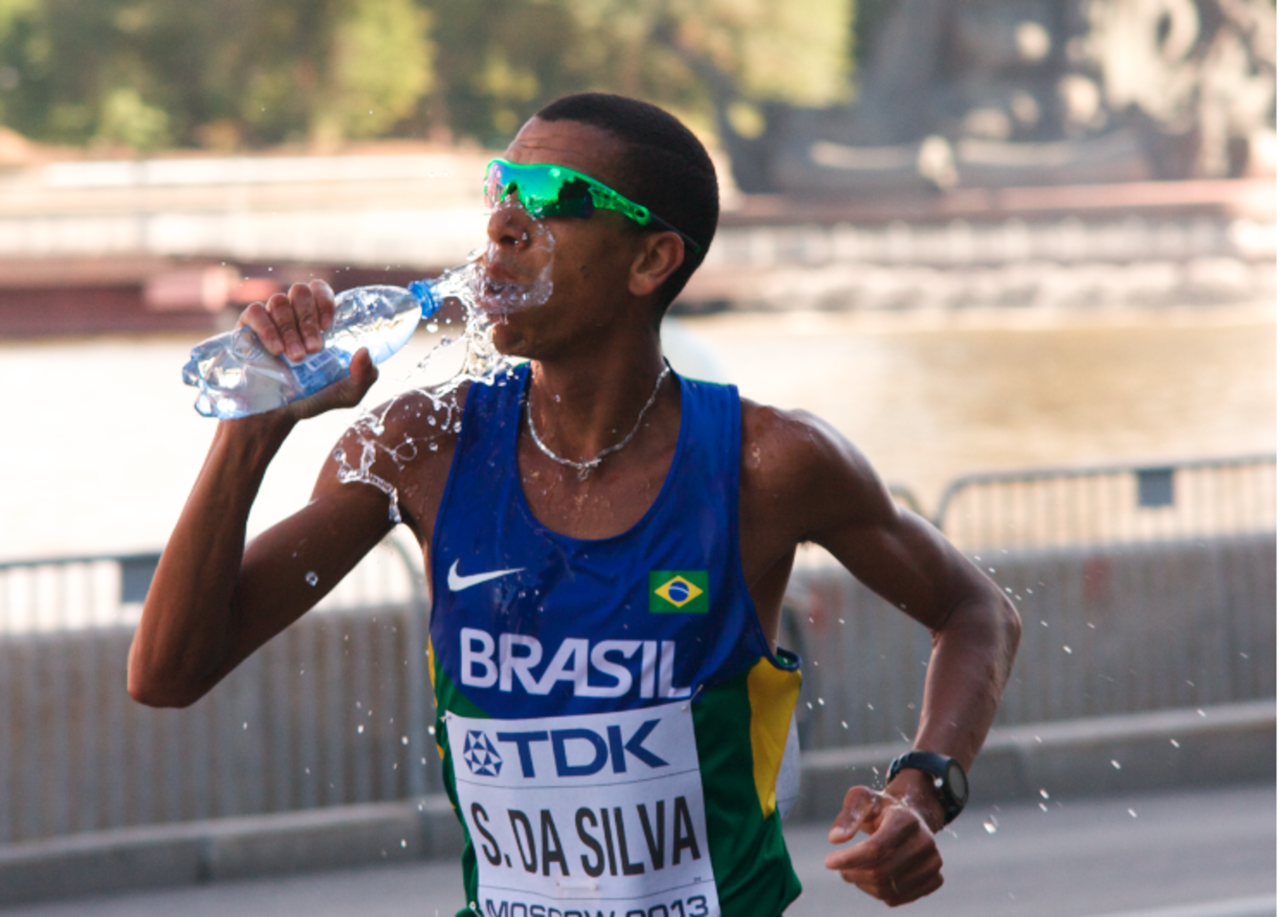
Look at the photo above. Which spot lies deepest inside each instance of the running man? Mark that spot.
(608, 546)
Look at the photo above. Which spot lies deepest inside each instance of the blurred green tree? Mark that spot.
(245, 73)
(500, 61)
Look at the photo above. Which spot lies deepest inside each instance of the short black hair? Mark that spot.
(664, 167)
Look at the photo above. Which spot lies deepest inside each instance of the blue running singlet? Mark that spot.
(610, 716)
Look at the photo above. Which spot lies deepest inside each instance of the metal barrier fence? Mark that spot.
(1107, 629)
(333, 711)
(338, 710)
(1110, 504)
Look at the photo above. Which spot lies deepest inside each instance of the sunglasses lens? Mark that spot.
(497, 185)
(573, 199)
(543, 191)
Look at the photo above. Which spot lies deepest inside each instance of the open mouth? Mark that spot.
(517, 279)
(500, 290)
(499, 295)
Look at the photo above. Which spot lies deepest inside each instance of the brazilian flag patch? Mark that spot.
(678, 592)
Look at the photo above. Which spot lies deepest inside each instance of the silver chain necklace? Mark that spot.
(584, 469)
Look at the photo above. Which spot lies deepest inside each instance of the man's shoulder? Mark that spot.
(416, 415)
(794, 458)
(406, 442)
(777, 438)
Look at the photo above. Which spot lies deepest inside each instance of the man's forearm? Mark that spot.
(972, 657)
(188, 621)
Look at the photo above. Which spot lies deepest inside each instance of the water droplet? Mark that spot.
(431, 730)
(432, 327)
(1133, 813)
(403, 842)
(1044, 794)
(246, 725)
(1174, 743)
(991, 825)
(1115, 764)
(1043, 807)
(1067, 649)
(360, 728)
(311, 578)
(844, 725)
(404, 740)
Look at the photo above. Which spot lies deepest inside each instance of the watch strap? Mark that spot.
(938, 767)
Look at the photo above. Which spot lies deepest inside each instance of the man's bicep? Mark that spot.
(908, 562)
(890, 549)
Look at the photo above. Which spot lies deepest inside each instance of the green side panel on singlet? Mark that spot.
(448, 697)
(739, 833)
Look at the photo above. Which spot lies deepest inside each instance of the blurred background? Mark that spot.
(1021, 252)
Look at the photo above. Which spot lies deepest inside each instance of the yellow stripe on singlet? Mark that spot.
(431, 674)
(773, 693)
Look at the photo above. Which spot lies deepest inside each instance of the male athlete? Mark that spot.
(608, 545)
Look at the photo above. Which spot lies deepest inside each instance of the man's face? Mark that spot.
(591, 258)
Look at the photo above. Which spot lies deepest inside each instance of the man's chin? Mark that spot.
(508, 340)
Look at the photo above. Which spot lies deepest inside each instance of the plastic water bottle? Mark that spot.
(237, 376)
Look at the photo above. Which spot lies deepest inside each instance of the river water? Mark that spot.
(102, 443)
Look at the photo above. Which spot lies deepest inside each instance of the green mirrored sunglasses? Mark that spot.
(547, 190)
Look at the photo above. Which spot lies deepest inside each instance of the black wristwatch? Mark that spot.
(949, 780)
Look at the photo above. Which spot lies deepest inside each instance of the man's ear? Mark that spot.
(659, 255)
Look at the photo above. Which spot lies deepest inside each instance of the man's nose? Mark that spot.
(510, 225)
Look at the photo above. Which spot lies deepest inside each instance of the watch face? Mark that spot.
(957, 783)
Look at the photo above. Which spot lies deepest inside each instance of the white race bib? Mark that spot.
(598, 815)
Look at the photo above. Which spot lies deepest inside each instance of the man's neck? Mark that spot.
(583, 406)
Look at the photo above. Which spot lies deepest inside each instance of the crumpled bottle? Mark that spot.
(237, 376)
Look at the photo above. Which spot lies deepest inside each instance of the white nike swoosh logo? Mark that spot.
(458, 582)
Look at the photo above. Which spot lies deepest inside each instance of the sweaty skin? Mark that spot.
(595, 355)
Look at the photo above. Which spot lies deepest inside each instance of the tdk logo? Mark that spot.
(481, 757)
(574, 752)
(601, 668)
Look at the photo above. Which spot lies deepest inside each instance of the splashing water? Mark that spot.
(462, 353)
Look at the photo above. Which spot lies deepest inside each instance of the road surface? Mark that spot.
(1175, 854)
